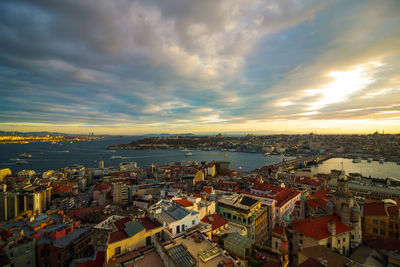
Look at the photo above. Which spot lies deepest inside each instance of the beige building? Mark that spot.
(327, 231)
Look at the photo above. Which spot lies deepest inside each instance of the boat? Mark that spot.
(25, 155)
(116, 157)
(188, 154)
(65, 151)
(14, 159)
(267, 154)
(357, 160)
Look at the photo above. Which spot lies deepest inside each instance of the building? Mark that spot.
(238, 245)
(175, 219)
(247, 211)
(20, 250)
(344, 205)
(36, 199)
(100, 192)
(120, 193)
(381, 219)
(26, 174)
(4, 173)
(217, 223)
(119, 235)
(326, 231)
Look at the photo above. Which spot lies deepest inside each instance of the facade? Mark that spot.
(21, 251)
(175, 219)
(120, 235)
(246, 211)
(381, 219)
(326, 231)
(344, 205)
(120, 193)
(33, 198)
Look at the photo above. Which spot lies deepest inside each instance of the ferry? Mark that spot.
(267, 154)
(188, 154)
(25, 155)
(116, 157)
(65, 151)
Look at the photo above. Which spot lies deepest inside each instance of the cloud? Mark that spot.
(186, 63)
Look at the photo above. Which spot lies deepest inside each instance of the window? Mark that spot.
(229, 215)
(118, 250)
(27, 250)
(234, 217)
(183, 227)
(338, 241)
(375, 230)
(390, 225)
(328, 245)
(382, 232)
(193, 222)
(178, 229)
(344, 239)
(391, 233)
(375, 221)
(28, 260)
(276, 245)
(382, 224)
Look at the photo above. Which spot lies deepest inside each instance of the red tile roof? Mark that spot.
(98, 261)
(82, 212)
(149, 224)
(317, 228)
(317, 202)
(285, 196)
(278, 230)
(393, 211)
(183, 202)
(215, 220)
(374, 209)
(264, 187)
(311, 262)
(61, 189)
(120, 224)
(102, 186)
(321, 194)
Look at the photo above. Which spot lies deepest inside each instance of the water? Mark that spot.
(90, 153)
(373, 169)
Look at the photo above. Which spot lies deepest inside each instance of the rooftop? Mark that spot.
(317, 228)
(215, 220)
(182, 257)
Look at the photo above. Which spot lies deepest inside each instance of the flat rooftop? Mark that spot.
(193, 247)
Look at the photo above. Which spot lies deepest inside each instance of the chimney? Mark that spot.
(332, 227)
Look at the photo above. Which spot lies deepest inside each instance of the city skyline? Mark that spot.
(135, 67)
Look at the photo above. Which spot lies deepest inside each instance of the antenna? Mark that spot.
(342, 166)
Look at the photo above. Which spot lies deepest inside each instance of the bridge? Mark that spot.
(288, 165)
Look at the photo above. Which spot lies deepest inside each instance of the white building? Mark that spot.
(175, 219)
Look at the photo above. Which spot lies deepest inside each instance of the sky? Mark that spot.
(183, 66)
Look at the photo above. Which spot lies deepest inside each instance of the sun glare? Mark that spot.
(345, 83)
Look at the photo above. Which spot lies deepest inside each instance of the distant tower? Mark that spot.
(101, 164)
